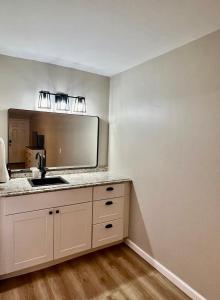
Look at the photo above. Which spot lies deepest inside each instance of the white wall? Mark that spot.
(165, 135)
(21, 80)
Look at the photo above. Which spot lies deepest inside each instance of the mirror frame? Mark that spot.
(62, 168)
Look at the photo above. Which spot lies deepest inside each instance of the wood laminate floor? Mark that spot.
(112, 273)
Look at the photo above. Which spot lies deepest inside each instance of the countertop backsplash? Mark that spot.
(58, 171)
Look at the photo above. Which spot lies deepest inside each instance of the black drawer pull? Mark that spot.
(109, 189)
(50, 212)
(57, 211)
(108, 226)
(108, 203)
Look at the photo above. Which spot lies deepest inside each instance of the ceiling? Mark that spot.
(102, 36)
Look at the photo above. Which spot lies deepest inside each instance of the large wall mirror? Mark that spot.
(66, 140)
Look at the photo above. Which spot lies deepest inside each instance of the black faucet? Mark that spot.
(41, 164)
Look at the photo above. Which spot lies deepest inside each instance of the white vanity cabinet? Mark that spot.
(42, 228)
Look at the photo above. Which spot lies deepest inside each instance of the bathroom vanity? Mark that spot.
(43, 225)
(46, 225)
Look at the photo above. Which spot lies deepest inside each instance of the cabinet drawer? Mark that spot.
(107, 210)
(24, 203)
(108, 191)
(107, 233)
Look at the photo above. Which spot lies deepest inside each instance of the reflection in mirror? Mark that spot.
(66, 140)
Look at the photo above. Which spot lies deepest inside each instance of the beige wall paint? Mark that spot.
(21, 80)
(165, 135)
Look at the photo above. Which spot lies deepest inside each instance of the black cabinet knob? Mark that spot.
(108, 226)
(57, 211)
(50, 212)
(109, 189)
(108, 203)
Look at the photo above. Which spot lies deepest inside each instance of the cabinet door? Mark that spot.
(72, 229)
(29, 239)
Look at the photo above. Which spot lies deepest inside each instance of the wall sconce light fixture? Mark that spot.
(44, 101)
(79, 105)
(62, 102)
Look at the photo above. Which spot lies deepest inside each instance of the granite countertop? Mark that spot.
(21, 186)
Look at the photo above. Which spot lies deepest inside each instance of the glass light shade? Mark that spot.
(79, 105)
(62, 102)
(44, 101)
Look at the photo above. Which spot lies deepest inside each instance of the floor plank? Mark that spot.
(113, 273)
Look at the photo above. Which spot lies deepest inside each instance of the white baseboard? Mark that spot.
(167, 273)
